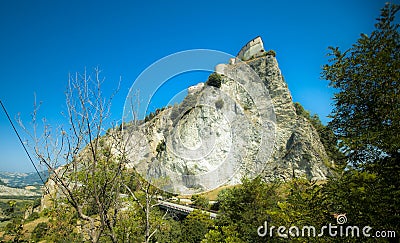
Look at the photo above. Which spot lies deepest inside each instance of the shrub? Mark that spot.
(9, 228)
(195, 226)
(219, 104)
(33, 216)
(200, 201)
(214, 80)
(36, 203)
(161, 147)
(271, 52)
(40, 231)
(246, 107)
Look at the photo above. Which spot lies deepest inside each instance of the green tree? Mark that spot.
(195, 226)
(243, 209)
(200, 201)
(171, 232)
(63, 226)
(150, 222)
(366, 116)
(366, 119)
(12, 204)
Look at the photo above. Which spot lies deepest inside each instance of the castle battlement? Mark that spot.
(252, 49)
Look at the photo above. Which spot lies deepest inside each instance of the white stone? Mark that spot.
(253, 48)
(220, 68)
(195, 88)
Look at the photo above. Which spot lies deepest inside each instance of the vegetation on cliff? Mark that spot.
(106, 202)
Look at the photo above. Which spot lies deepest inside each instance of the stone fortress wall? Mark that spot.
(252, 49)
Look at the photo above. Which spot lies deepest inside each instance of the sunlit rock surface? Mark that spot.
(216, 136)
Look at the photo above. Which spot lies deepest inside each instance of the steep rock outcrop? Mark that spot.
(246, 127)
(298, 150)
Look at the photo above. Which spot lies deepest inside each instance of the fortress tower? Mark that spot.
(252, 49)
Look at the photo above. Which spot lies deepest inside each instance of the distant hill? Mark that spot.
(11, 192)
(2, 183)
(21, 180)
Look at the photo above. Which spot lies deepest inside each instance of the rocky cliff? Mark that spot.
(298, 151)
(246, 125)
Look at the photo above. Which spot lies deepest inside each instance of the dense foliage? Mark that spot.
(366, 116)
(214, 80)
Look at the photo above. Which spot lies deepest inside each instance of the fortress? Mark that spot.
(253, 49)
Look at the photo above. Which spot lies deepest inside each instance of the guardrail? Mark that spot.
(182, 209)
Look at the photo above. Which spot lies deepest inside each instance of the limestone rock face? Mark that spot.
(216, 136)
(298, 150)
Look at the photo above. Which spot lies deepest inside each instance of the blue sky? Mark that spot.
(42, 41)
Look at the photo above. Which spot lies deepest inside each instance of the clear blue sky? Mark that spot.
(42, 41)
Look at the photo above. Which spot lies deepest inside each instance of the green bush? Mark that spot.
(200, 201)
(271, 53)
(9, 228)
(219, 104)
(214, 80)
(36, 203)
(161, 147)
(40, 231)
(195, 226)
(33, 216)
